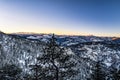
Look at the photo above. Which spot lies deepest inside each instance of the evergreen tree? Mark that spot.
(98, 73)
(115, 74)
(10, 72)
(55, 63)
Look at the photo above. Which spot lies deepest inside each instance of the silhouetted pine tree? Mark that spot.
(10, 72)
(55, 63)
(98, 73)
(115, 74)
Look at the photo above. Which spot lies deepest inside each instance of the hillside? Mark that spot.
(23, 51)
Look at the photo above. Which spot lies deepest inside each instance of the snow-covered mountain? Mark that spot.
(22, 50)
(65, 39)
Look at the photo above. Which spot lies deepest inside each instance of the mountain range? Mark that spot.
(23, 49)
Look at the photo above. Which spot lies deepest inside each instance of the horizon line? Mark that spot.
(58, 34)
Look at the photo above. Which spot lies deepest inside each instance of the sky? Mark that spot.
(70, 17)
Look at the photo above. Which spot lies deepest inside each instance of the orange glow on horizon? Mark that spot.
(66, 33)
(55, 31)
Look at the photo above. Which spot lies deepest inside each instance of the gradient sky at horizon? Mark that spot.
(76, 17)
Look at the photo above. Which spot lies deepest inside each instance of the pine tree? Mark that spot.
(10, 72)
(55, 63)
(115, 74)
(98, 73)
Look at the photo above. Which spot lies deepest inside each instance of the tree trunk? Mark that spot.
(57, 71)
(57, 74)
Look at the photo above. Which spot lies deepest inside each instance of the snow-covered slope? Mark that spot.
(88, 54)
(19, 51)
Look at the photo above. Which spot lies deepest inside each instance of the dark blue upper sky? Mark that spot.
(97, 17)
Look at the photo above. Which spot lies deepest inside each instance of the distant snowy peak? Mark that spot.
(117, 40)
(34, 37)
